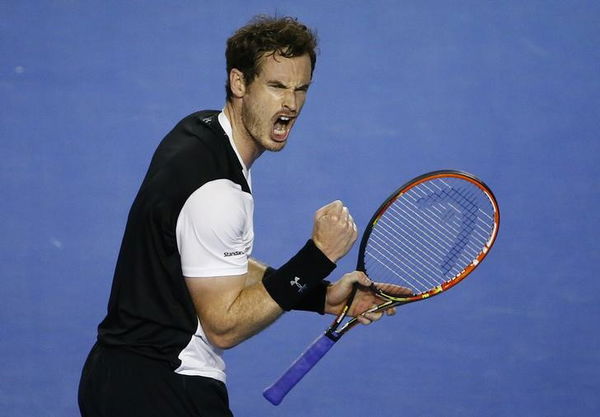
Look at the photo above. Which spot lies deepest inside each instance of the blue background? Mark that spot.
(507, 90)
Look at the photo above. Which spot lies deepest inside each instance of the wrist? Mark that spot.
(289, 284)
(330, 256)
(315, 299)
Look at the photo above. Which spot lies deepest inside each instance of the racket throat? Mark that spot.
(333, 335)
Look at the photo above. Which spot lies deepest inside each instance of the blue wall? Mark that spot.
(507, 90)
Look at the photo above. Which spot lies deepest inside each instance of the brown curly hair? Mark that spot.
(265, 35)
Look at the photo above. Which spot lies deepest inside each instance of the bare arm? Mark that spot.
(256, 271)
(232, 309)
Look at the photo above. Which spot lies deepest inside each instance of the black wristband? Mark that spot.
(289, 284)
(314, 300)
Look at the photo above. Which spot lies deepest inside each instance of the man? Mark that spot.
(184, 287)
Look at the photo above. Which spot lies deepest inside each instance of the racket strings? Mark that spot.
(429, 234)
(393, 264)
(395, 248)
(430, 243)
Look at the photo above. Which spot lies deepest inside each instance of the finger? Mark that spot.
(346, 283)
(390, 311)
(345, 213)
(372, 316)
(395, 290)
(335, 207)
(361, 278)
(350, 223)
(354, 232)
(351, 280)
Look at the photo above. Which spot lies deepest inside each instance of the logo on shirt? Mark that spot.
(238, 252)
(296, 282)
(234, 253)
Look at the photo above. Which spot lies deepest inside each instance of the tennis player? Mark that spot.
(185, 287)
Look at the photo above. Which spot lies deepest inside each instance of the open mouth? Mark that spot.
(281, 127)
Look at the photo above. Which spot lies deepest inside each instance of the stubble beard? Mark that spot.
(259, 131)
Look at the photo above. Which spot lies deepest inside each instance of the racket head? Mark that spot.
(429, 234)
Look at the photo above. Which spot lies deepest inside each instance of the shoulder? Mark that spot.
(196, 152)
(218, 201)
(201, 123)
(198, 130)
(193, 152)
(199, 145)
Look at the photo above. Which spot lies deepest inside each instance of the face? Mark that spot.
(273, 100)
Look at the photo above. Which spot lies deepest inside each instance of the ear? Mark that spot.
(237, 83)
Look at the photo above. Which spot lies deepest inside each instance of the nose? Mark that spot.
(290, 101)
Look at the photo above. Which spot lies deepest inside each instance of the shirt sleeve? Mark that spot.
(215, 231)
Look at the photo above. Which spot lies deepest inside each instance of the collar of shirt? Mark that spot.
(226, 125)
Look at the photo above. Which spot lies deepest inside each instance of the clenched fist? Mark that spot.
(334, 231)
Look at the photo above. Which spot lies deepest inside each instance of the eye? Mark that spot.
(277, 86)
(303, 88)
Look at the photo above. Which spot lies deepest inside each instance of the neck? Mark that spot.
(247, 147)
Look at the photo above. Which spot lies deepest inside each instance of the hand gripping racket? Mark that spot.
(428, 236)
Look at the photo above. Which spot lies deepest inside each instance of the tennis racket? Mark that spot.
(429, 235)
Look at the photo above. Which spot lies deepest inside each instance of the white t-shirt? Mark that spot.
(214, 237)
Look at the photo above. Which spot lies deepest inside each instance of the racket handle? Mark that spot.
(276, 392)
